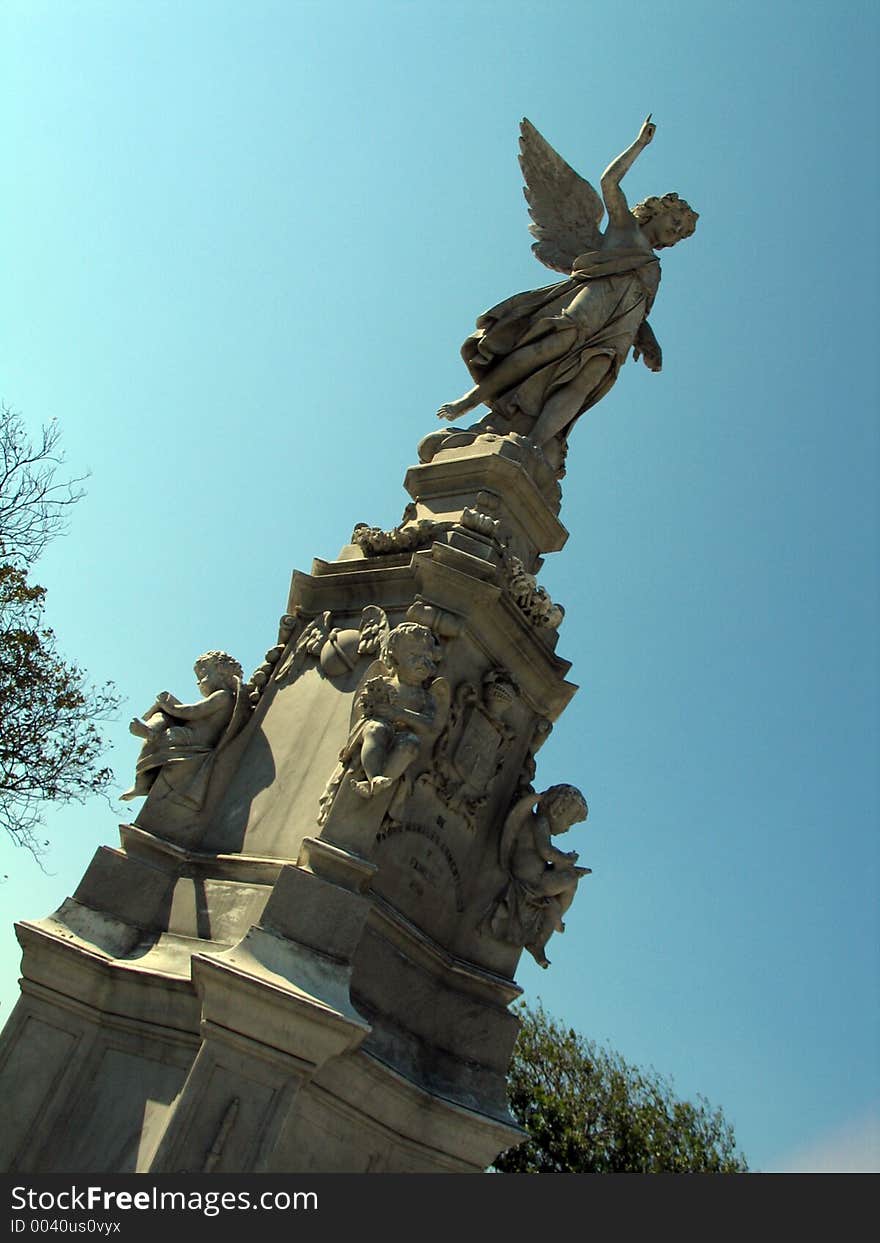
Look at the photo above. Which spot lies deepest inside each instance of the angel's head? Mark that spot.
(665, 219)
(413, 652)
(564, 805)
(217, 671)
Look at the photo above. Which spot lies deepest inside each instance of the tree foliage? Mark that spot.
(589, 1111)
(50, 741)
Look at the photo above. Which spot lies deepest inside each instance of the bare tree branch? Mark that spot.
(50, 743)
(33, 503)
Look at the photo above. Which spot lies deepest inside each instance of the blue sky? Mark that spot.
(242, 246)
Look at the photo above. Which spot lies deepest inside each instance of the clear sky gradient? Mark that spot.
(242, 245)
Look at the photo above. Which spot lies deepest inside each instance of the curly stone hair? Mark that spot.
(656, 204)
(226, 666)
(566, 796)
(410, 632)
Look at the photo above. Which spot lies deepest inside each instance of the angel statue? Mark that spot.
(181, 741)
(541, 358)
(400, 707)
(542, 880)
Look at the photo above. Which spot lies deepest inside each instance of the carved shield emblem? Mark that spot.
(476, 756)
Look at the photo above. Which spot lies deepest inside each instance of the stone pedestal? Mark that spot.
(289, 974)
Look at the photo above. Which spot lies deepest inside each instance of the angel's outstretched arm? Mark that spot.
(615, 200)
(216, 701)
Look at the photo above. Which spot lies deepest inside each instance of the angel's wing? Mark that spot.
(377, 670)
(442, 692)
(565, 209)
(516, 818)
(374, 630)
(241, 712)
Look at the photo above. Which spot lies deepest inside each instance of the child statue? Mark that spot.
(543, 880)
(400, 705)
(174, 732)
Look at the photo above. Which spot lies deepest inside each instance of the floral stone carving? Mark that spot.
(533, 600)
(338, 650)
(407, 536)
(540, 734)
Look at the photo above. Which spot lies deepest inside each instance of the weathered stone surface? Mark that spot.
(334, 914)
(540, 359)
(182, 742)
(302, 955)
(542, 879)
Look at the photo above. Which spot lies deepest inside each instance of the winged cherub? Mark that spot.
(540, 359)
(542, 880)
(400, 708)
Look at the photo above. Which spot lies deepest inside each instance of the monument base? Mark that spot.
(301, 957)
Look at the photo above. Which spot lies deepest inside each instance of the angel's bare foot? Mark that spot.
(140, 788)
(366, 789)
(454, 409)
(139, 729)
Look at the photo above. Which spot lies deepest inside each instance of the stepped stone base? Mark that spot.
(289, 965)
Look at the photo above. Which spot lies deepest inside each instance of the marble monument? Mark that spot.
(301, 955)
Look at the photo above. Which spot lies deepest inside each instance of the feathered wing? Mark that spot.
(441, 691)
(374, 630)
(516, 818)
(565, 209)
(377, 671)
(241, 712)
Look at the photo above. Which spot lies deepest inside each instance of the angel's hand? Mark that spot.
(651, 356)
(647, 347)
(647, 132)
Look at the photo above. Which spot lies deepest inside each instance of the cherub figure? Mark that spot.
(399, 706)
(543, 879)
(399, 709)
(174, 732)
(540, 359)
